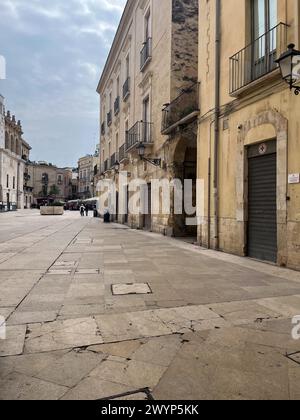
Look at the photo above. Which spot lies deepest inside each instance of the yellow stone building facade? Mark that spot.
(152, 66)
(248, 130)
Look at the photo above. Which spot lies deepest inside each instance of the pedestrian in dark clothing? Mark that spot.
(82, 210)
(86, 211)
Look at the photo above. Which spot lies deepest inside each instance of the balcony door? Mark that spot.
(264, 36)
(146, 120)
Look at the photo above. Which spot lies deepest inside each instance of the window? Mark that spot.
(146, 109)
(147, 24)
(14, 182)
(118, 86)
(117, 142)
(7, 181)
(264, 16)
(264, 36)
(127, 67)
(264, 19)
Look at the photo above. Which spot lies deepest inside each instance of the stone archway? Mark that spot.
(183, 158)
(263, 127)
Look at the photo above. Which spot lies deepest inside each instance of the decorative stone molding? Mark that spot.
(274, 125)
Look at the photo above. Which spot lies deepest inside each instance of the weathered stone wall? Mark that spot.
(36, 172)
(263, 112)
(2, 123)
(184, 48)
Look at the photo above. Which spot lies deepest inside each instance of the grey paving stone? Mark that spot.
(14, 342)
(70, 368)
(60, 335)
(21, 387)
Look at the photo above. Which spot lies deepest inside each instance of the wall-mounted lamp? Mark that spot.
(141, 152)
(289, 63)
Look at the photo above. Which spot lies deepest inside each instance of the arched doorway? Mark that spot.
(185, 169)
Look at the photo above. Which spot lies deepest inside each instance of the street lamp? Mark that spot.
(141, 152)
(117, 166)
(289, 63)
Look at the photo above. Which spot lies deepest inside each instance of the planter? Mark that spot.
(52, 211)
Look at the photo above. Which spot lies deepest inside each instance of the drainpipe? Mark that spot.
(216, 118)
(209, 188)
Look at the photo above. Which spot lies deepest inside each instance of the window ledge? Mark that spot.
(143, 67)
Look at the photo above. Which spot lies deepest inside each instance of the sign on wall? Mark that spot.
(294, 178)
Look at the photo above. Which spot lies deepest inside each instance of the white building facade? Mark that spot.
(14, 153)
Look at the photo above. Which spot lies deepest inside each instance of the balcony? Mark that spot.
(141, 132)
(258, 59)
(122, 153)
(107, 165)
(117, 106)
(146, 53)
(103, 129)
(183, 110)
(114, 159)
(126, 89)
(109, 118)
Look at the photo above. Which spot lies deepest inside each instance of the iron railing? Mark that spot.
(185, 104)
(126, 89)
(109, 118)
(141, 132)
(117, 105)
(122, 153)
(113, 160)
(107, 165)
(258, 58)
(146, 53)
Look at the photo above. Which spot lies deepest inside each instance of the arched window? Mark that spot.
(6, 140)
(12, 144)
(18, 148)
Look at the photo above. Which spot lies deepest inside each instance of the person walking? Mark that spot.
(87, 211)
(82, 209)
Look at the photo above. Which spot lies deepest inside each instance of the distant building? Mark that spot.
(86, 175)
(14, 155)
(49, 183)
(74, 184)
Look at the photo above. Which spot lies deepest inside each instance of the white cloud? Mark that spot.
(55, 51)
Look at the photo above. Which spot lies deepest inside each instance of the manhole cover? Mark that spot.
(87, 271)
(131, 289)
(59, 272)
(65, 264)
(82, 241)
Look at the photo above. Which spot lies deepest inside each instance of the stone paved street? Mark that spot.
(202, 324)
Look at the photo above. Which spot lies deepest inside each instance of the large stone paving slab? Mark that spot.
(14, 342)
(225, 367)
(21, 387)
(60, 335)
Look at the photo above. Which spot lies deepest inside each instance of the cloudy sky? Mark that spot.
(55, 51)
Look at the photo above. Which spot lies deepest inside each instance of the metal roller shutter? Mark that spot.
(262, 210)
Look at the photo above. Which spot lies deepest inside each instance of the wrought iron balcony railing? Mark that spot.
(106, 165)
(187, 103)
(126, 89)
(146, 53)
(141, 132)
(122, 153)
(117, 105)
(113, 160)
(109, 118)
(258, 58)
